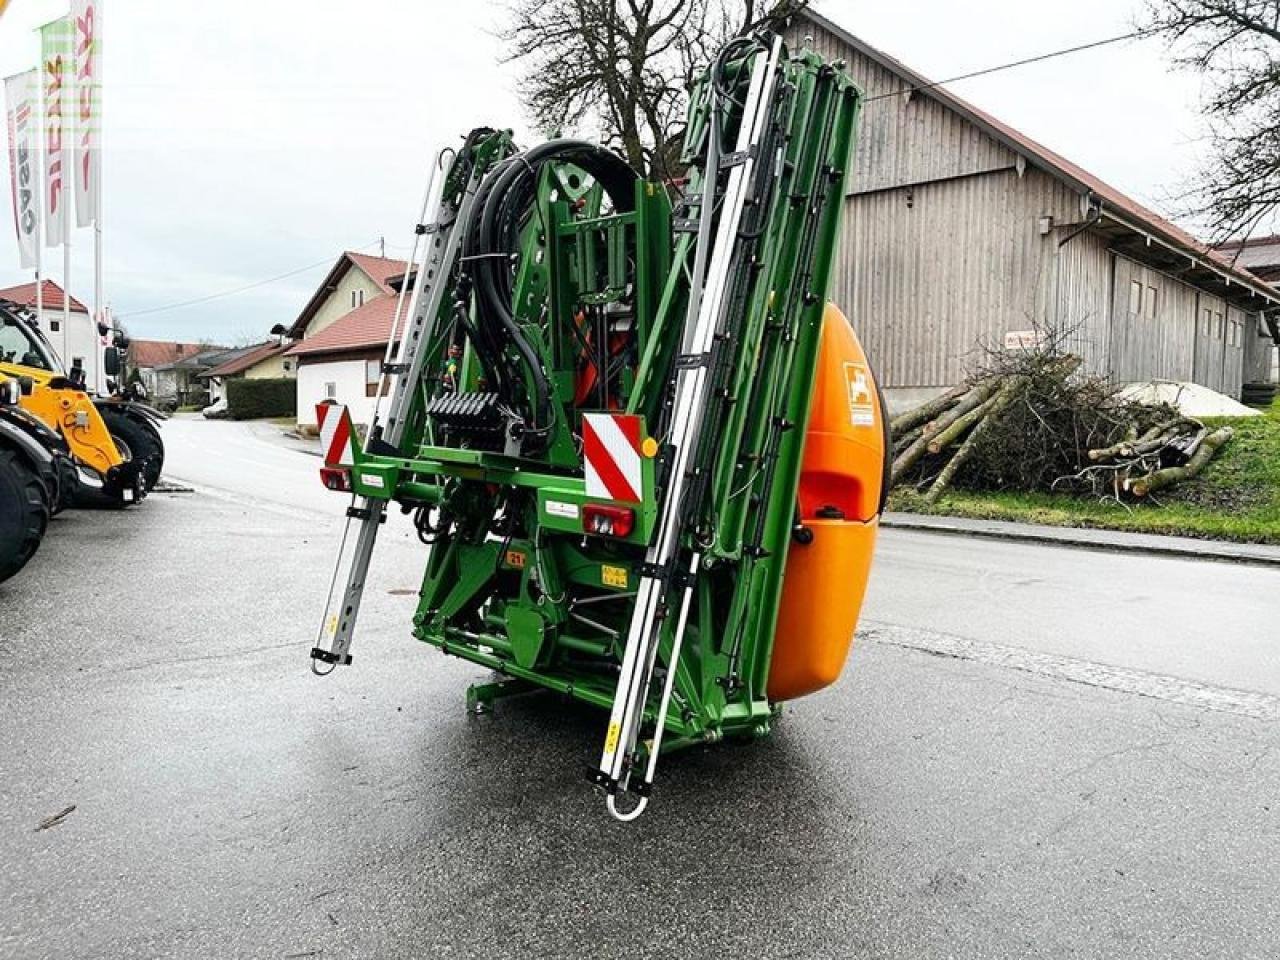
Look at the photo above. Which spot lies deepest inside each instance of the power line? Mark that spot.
(233, 292)
(1015, 63)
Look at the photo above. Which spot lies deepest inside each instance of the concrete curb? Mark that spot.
(1109, 540)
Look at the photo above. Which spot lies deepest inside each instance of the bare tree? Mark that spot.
(1235, 46)
(624, 64)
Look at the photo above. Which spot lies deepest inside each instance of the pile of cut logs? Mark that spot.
(1034, 424)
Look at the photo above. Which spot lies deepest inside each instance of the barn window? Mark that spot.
(1206, 327)
(1151, 302)
(1135, 297)
(1220, 329)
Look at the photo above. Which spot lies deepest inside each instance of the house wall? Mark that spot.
(338, 303)
(349, 387)
(77, 339)
(272, 368)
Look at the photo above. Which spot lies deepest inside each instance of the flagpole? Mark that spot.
(99, 314)
(39, 206)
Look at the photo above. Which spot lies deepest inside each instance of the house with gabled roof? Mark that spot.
(341, 335)
(72, 334)
(960, 231)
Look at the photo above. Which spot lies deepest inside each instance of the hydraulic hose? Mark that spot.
(493, 244)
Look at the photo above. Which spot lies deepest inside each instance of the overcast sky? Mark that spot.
(247, 140)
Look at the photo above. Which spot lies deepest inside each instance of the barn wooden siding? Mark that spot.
(1259, 351)
(945, 248)
(895, 130)
(933, 273)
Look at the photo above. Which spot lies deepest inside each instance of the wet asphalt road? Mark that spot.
(964, 791)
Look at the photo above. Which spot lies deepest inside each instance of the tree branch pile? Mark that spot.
(1029, 421)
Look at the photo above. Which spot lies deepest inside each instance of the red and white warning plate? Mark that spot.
(335, 434)
(611, 456)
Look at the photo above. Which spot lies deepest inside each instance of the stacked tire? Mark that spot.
(1259, 394)
(26, 502)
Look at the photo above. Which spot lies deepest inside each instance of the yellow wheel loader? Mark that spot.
(114, 443)
(34, 466)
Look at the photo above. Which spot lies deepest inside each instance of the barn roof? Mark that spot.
(1117, 206)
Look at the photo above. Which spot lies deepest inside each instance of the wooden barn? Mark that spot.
(962, 232)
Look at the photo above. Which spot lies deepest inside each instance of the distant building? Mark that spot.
(149, 357)
(1260, 256)
(341, 335)
(262, 361)
(960, 231)
(76, 342)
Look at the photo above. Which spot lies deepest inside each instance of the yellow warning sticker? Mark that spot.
(862, 401)
(331, 624)
(611, 738)
(515, 558)
(613, 576)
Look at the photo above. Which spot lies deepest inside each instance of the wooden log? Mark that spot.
(909, 457)
(975, 398)
(995, 407)
(919, 416)
(1205, 452)
(953, 433)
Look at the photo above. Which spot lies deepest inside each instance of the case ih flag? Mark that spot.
(611, 456)
(21, 101)
(87, 18)
(55, 74)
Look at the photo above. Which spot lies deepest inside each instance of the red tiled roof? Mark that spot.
(158, 353)
(362, 328)
(244, 361)
(1048, 160)
(379, 269)
(25, 295)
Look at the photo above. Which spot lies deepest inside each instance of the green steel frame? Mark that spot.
(512, 581)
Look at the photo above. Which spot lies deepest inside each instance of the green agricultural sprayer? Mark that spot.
(646, 454)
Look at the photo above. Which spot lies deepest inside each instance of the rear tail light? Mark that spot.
(336, 478)
(608, 521)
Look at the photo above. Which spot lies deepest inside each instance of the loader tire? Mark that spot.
(137, 440)
(24, 514)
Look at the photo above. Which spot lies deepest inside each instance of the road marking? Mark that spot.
(1246, 703)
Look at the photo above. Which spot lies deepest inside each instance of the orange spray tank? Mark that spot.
(841, 496)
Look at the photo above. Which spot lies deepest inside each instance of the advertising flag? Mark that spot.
(55, 75)
(21, 101)
(87, 17)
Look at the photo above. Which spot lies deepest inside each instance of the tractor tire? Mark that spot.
(137, 439)
(24, 514)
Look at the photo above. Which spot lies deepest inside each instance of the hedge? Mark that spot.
(254, 399)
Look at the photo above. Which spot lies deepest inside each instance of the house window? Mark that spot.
(357, 299)
(372, 378)
(1151, 302)
(1135, 297)
(54, 325)
(331, 391)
